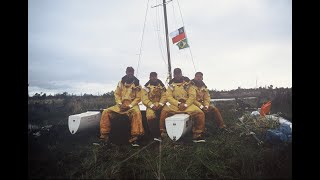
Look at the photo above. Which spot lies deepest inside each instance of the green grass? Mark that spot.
(221, 157)
(225, 155)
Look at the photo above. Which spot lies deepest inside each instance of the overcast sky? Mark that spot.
(84, 46)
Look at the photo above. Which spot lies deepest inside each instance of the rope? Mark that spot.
(188, 39)
(144, 25)
(160, 160)
(175, 18)
(158, 26)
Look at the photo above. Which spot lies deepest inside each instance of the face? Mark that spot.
(198, 77)
(129, 74)
(178, 76)
(153, 78)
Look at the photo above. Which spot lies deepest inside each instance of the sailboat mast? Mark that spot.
(167, 38)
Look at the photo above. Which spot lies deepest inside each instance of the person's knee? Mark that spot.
(199, 115)
(136, 113)
(104, 112)
(150, 116)
(215, 109)
(163, 112)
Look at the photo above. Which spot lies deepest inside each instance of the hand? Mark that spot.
(154, 108)
(182, 100)
(182, 107)
(159, 107)
(205, 109)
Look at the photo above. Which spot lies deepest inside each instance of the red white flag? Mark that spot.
(178, 35)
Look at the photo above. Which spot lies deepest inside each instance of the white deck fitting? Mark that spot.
(178, 125)
(80, 122)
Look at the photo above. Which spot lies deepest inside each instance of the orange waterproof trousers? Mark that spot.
(135, 119)
(217, 116)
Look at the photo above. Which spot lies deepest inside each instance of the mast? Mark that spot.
(167, 38)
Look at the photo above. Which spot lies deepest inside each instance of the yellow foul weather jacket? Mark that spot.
(153, 95)
(183, 92)
(130, 95)
(203, 100)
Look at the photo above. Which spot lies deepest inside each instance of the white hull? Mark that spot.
(83, 121)
(89, 119)
(178, 125)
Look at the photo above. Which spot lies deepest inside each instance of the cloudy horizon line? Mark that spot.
(32, 90)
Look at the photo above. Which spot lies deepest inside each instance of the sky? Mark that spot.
(84, 46)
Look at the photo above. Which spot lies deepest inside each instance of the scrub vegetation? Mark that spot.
(230, 154)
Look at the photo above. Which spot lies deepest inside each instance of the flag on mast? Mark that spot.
(183, 44)
(178, 35)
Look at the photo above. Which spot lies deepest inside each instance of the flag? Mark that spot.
(183, 44)
(178, 35)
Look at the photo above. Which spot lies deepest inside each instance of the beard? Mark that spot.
(176, 80)
(129, 79)
(154, 83)
(198, 83)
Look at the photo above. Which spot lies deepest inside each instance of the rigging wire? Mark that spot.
(180, 56)
(159, 170)
(174, 55)
(174, 14)
(161, 19)
(188, 39)
(144, 25)
(158, 26)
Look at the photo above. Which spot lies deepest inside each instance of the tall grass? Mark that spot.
(225, 155)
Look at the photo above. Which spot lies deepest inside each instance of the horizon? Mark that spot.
(100, 94)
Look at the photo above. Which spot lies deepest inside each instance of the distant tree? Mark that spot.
(108, 94)
(112, 93)
(36, 95)
(65, 94)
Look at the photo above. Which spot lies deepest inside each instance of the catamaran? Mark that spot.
(177, 125)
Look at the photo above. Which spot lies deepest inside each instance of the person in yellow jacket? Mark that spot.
(203, 100)
(127, 96)
(180, 96)
(154, 98)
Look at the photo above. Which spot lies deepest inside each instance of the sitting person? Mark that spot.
(154, 98)
(127, 96)
(180, 96)
(203, 100)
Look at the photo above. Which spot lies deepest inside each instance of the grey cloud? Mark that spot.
(94, 41)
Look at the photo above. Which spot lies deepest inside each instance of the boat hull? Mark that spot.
(90, 119)
(178, 125)
(81, 122)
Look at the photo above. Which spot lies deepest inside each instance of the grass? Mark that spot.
(225, 155)
(222, 157)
